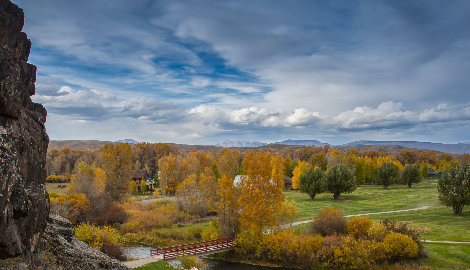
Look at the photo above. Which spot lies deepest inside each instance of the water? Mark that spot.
(137, 250)
(213, 264)
(140, 251)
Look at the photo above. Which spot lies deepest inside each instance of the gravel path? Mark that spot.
(358, 215)
(141, 262)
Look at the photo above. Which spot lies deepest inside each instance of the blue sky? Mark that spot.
(200, 72)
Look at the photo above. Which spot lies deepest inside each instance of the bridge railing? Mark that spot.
(193, 248)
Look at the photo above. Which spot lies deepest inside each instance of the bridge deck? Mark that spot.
(206, 247)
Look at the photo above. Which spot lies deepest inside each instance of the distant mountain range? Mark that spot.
(301, 142)
(388, 146)
(459, 148)
(131, 141)
(235, 143)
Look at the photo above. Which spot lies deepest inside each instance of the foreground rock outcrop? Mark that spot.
(29, 237)
(24, 202)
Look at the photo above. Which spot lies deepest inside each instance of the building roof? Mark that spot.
(140, 174)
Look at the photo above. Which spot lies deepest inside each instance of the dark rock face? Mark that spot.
(64, 251)
(24, 202)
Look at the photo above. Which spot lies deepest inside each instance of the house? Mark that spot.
(433, 174)
(287, 182)
(140, 175)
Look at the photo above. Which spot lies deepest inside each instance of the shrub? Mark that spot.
(358, 227)
(114, 214)
(74, 207)
(329, 221)
(211, 232)
(377, 232)
(188, 262)
(399, 246)
(103, 238)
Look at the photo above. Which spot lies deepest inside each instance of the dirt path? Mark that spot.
(358, 215)
(445, 242)
(157, 199)
(141, 262)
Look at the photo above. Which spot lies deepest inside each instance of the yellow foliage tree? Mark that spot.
(117, 163)
(98, 185)
(298, 171)
(261, 197)
(229, 210)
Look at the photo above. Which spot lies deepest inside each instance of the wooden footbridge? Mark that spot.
(200, 248)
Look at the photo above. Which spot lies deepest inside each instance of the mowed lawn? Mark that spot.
(439, 220)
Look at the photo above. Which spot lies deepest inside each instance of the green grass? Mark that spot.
(448, 256)
(52, 187)
(160, 265)
(442, 222)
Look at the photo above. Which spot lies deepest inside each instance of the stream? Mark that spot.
(141, 251)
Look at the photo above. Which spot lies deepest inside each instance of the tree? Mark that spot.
(98, 185)
(340, 179)
(143, 186)
(454, 187)
(229, 210)
(411, 174)
(133, 187)
(387, 174)
(423, 169)
(360, 171)
(312, 182)
(117, 163)
(298, 171)
(261, 197)
(156, 181)
(82, 178)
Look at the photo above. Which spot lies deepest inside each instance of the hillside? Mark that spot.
(448, 148)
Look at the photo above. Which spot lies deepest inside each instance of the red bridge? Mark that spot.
(206, 247)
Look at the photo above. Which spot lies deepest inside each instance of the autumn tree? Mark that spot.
(387, 174)
(298, 171)
(228, 164)
(143, 187)
(423, 169)
(340, 179)
(312, 182)
(454, 187)
(411, 174)
(261, 197)
(229, 210)
(116, 161)
(360, 171)
(82, 178)
(319, 160)
(133, 187)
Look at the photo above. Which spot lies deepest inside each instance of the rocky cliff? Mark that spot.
(24, 202)
(30, 238)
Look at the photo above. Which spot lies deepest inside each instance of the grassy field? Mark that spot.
(52, 187)
(439, 221)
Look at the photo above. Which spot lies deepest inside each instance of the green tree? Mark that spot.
(215, 170)
(387, 174)
(423, 167)
(360, 170)
(143, 187)
(117, 163)
(411, 174)
(454, 187)
(312, 182)
(340, 179)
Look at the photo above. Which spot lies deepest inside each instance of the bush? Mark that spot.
(377, 232)
(74, 207)
(358, 227)
(211, 232)
(114, 214)
(399, 246)
(329, 221)
(188, 262)
(404, 229)
(103, 238)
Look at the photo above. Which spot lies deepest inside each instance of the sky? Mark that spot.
(201, 72)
